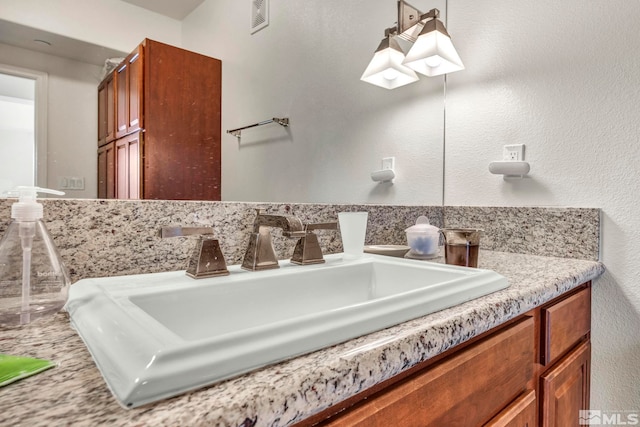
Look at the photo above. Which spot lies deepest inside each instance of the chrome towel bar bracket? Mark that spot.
(281, 121)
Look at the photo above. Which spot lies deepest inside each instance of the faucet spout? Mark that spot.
(291, 226)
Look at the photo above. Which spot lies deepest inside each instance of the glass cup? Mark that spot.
(461, 246)
(353, 228)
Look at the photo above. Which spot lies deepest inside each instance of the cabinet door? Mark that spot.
(111, 108)
(128, 173)
(134, 92)
(106, 110)
(102, 113)
(565, 388)
(521, 413)
(122, 99)
(107, 171)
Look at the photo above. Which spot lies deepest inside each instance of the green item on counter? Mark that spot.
(14, 368)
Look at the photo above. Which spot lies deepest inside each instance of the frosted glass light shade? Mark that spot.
(433, 53)
(386, 69)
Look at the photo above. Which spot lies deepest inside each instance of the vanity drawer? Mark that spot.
(564, 324)
(465, 389)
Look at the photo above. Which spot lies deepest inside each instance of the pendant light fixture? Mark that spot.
(432, 53)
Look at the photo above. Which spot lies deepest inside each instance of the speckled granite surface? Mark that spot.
(106, 238)
(279, 395)
(98, 238)
(114, 237)
(561, 232)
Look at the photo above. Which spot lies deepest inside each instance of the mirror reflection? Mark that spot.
(306, 65)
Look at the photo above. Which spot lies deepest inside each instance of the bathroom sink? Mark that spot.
(158, 335)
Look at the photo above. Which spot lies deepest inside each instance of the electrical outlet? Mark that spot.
(513, 153)
(70, 183)
(388, 163)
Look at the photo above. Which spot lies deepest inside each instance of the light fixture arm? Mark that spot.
(411, 20)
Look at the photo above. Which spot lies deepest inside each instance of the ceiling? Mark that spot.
(176, 9)
(31, 38)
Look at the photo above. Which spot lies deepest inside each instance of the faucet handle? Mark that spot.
(178, 231)
(207, 259)
(321, 226)
(307, 250)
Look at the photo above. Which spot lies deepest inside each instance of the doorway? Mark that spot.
(23, 124)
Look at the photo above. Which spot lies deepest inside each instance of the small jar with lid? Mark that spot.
(423, 239)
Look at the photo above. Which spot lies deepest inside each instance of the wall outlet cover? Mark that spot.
(513, 153)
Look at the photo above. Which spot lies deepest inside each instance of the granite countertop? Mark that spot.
(284, 393)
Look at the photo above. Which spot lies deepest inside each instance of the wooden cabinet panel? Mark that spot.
(134, 92)
(128, 173)
(182, 121)
(565, 388)
(106, 110)
(102, 113)
(521, 413)
(122, 101)
(463, 390)
(106, 171)
(564, 324)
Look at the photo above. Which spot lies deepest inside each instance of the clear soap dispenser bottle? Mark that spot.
(33, 279)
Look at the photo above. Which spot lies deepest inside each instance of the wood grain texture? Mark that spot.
(564, 324)
(182, 113)
(521, 413)
(464, 390)
(565, 388)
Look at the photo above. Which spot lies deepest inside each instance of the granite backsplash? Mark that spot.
(118, 237)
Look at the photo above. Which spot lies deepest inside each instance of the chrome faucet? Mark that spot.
(307, 250)
(207, 259)
(260, 254)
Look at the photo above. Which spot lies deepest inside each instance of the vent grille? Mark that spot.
(259, 15)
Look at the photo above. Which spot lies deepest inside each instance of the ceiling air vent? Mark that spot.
(259, 15)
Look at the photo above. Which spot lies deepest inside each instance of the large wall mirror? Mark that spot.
(305, 65)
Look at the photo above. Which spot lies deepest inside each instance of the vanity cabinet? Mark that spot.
(533, 370)
(162, 107)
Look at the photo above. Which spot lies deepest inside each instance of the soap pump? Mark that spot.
(33, 279)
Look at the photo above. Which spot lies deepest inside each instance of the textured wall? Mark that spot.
(562, 78)
(307, 65)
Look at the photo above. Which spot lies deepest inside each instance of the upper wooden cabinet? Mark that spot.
(174, 97)
(106, 111)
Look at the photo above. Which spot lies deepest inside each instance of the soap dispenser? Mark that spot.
(33, 279)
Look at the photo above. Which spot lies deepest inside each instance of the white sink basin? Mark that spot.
(158, 335)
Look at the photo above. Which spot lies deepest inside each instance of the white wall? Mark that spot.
(72, 115)
(17, 142)
(111, 23)
(306, 65)
(564, 79)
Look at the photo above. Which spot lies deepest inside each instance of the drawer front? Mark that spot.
(564, 324)
(466, 389)
(521, 413)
